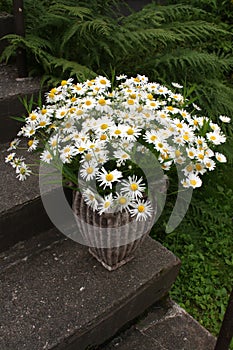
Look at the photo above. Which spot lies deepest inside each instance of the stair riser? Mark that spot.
(11, 107)
(6, 27)
(22, 223)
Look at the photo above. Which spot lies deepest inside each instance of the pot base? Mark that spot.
(111, 267)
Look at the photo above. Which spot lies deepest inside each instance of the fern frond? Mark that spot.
(74, 11)
(73, 68)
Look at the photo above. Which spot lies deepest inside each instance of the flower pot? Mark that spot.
(112, 238)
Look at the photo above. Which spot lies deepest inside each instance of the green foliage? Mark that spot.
(203, 242)
(176, 42)
(6, 6)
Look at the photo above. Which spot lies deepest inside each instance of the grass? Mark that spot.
(204, 243)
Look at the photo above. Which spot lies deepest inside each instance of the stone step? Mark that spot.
(11, 89)
(22, 214)
(165, 327)
(55, 295)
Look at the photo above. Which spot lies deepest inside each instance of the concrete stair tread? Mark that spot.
(166, 327)
(15, 193)
(22, 214)
(11, 85)
(62, 298)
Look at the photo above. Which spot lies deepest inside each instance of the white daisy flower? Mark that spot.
(209, 164)
(196, 107)
(16, 162)
(46, 156)
(23, 171)
(10, 157)
(121, 77)
(88, 170)
(43, 121)
(176, 85)
(220, 157)
(14, 144)
(200, 168)
(121, 156)
(106, 204)
(106, 179)
(216, 137)
(33, 117)
(224, 119)
(142, 210)
(61, 113)
(29, 130)
(67, 153)
(194, 181)
(32, 144)
(91, 198)
(122, 201)
(133, 187)
(102, 82)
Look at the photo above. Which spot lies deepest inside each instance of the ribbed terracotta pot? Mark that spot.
(112, 238)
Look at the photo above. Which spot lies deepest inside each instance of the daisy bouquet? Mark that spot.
(92, 131)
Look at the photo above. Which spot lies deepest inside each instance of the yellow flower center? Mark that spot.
(102, 102)
(198, 167)
(122, 200)
(68, 125)
(88, 102)
(170, 108)
(90, 170)
(30, 143)
(103, 82)
(79, 112)
(109, 177)
(153, 138)
(130, 131)
(193, 182)
(137, 80)
(81, 149)
(22, 171)
(33, 116)
(141, 208)
(107, 204)
(103, 137)
(73, 99)
(150, 97)
(43, 111)
(133, 96)
(189, 168)
(64, 82)
(103, 126)
(212, 137)
(134, 186)
(117, 132)
(88, 156)
(42, 123)
(130, 102)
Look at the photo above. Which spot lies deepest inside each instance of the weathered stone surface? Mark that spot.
(11, 89)
(64, 299)
(22, 214)
(166, 327)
